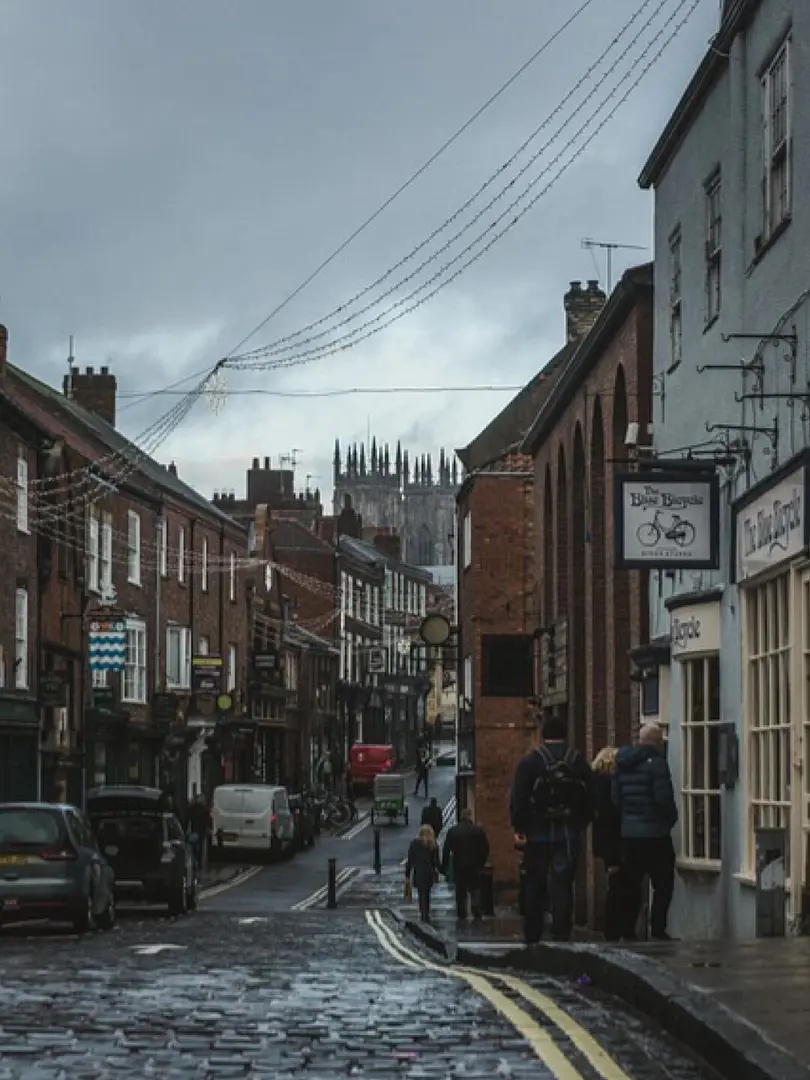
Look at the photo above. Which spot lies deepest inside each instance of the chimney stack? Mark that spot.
(172, 468)
(3, 350)
(582, 308)
(255, 463)
(94, 391)
(267, 463)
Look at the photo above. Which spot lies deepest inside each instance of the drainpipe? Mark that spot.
(161, 531)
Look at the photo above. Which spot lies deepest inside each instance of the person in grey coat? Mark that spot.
(643, 794)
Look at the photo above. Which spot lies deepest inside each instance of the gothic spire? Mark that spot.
(362, 459)
(387, 461)
(336, 461)
(442, 466)
(374, 453)
(429, 470)
(406, 467)
(398, 460)
(354, 460)
(455, 471)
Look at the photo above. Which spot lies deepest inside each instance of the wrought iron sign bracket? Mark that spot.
(790, 399)
(791, 339)
(753, 367)
(770, 433)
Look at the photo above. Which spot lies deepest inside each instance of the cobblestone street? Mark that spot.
(313, 994)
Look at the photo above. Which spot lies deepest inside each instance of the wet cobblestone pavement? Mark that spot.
(312, 995)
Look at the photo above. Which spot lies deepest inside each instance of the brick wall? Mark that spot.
(496, 596)
(19, 555)
(606, 608)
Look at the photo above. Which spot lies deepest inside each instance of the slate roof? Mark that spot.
(290, 534)
(368, 553)
(505, 433)
(94, 438)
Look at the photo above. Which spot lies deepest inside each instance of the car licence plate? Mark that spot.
(230, 836)
(14, 860)
(11, 903)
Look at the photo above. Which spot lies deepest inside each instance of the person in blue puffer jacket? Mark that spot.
(643, 794)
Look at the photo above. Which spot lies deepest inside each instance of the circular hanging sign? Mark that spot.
(224, 702)
(435, 630)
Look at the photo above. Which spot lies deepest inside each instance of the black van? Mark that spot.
(141, 837)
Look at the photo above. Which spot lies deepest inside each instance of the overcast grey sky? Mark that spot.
(171, 171)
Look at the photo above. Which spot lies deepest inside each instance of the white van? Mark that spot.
(252, 817)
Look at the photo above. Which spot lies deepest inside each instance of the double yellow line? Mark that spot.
(536, 1034)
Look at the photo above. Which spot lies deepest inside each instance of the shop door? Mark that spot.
(18, 767)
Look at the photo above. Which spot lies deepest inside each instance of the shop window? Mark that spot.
(767, 610)
(651, 695)
(700, 734)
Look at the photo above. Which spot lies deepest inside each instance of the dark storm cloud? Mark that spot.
(171, 171)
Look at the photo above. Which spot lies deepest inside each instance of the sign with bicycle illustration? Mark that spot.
(666, 521)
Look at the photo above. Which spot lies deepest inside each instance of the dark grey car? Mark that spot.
(144, 842)
(51, 867)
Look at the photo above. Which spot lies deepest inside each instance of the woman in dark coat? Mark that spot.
(422, 868)
(606, 838)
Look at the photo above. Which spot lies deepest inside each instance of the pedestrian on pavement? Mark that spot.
(422, 770)
(644, 797)
(326, 770)
(198, 825)
(606, 837)
(432, 815)
(551, 805)
(467, 845)
(422, 867)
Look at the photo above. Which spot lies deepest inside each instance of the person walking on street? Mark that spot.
(432, 815)
(422, 770)
(643, 795)
(199, 828)
(606, 837)
(422, 868)
(467, 845)
(551, 806)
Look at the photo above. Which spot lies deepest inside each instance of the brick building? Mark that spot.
(497, 611)
(117, 533)
(589, 615)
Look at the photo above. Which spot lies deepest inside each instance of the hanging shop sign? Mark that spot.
(773, 527)
(667, 521)
(695, 629)
(206, 674)
(107, 644)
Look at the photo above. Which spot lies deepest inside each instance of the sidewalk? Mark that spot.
(744, 1007)
(219, 874)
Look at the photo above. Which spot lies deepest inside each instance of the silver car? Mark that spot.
(51, 868)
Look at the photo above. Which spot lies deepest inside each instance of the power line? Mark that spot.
(415, 176)
(339, 391)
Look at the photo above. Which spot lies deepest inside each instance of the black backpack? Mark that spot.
(558, 793)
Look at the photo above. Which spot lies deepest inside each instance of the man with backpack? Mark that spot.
(551, 806)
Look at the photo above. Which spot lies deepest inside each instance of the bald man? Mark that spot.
(642, 791)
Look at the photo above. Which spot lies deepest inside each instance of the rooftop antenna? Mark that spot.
(609, 248)
(71, 358)
(290, 459)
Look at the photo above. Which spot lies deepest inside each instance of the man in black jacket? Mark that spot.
(551, 805)
(432, 815)
(468, 846)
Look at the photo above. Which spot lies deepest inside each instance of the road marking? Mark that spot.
(342, 878)
(153, 950)
(240, 879)
(251, 921)
(355, 830)
(538, 1039)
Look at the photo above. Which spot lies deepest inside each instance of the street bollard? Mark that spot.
(377, 852)
(487, 897)
(331, 885)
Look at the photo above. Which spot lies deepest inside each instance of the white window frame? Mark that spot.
(133, 679)
(714, 245)
(232, 578)
(675, 246)
(133, 548)
(467, 689)
(178, 641)
(232, 658)
(204, 565)
(99, 679)
(23, 522)
(466, 540)
(767, 660)
(21, 673)
(777, 149)
(203, 646)
(93, 561)
(163, 541)
(700, 726)
(105, 573)
(181, 555)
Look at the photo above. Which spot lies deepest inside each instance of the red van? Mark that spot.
(369, 761)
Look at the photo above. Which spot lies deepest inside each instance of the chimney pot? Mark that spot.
(105, 370)
(89, 371)
(593, 285)
(216, 496)
(576, 286)
(267, 463)
(255, 463)
(582, 309)
(172, 468)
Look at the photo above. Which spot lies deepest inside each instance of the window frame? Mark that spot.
(181, 555)
(105, 554)
(232, 668)
(466, 540)
(183, 636)
(134, 687)
(163, 541)
(23, 515)
(133, 547)
(697, 793)
(777, 158)
(204, 565)
(93, 551)
(232, 578)
(22, 679)
(713, 195)
(675, 265)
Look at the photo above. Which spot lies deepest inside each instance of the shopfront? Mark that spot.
(773, 575)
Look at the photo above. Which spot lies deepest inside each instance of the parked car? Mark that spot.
(51, 867)
(143, 840)
(369, 761)
(253, 817)
(305, 822)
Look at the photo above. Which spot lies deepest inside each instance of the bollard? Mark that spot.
(331, 885)
(487, 898)
(377, 852)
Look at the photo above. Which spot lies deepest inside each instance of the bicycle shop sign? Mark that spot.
(666, 521)
(772, 528)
